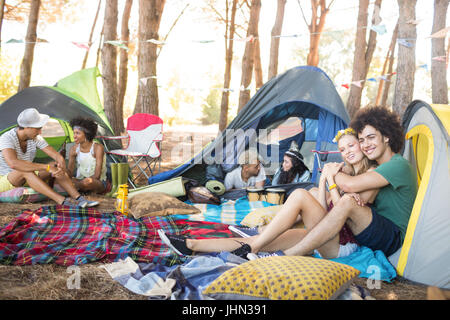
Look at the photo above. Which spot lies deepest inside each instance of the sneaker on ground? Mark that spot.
(175, 242)
(69, 203)
(243, 231)
(83, 202)
(242, 251)
(259, 255)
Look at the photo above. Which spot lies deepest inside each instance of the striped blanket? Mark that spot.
(75, 236)
(230, 212)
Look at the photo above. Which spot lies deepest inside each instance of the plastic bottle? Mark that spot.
(122, 199)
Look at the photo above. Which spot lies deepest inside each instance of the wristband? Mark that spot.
(332, 187)
(48, 168)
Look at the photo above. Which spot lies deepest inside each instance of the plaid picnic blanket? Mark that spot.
(75, 236)
(230, 212)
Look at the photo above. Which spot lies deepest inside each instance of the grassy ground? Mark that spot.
(50, 282)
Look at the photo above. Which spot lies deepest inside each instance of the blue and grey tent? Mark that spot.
(305, 93)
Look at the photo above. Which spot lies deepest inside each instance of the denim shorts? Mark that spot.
(381, 234)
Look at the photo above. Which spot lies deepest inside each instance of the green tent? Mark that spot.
(72, 96)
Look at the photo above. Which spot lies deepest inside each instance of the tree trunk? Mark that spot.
(363, 55)
(150, 12)
(123, 67)
(257, 66)
(275, 39)
(439, 85)
(83, 65)
(109, 64)
(249, 54)
(228, 62)
(31, 37)
(383, 86)
(315, 30)
(406, 64)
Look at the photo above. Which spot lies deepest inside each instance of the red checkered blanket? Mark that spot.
(69, 236)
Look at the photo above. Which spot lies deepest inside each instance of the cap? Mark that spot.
(31, 118)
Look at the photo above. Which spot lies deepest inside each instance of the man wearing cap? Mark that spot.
(18, 149)
(250, 172)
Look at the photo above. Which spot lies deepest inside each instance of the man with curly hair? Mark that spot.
(381, 226)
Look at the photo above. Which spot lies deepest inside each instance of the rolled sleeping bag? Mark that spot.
(215, 187)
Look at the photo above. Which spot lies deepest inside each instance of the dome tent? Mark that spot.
(425, 254)
(73, 96)
(305, 92)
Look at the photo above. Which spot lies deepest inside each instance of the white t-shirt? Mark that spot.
(10, 140)
(233, 179)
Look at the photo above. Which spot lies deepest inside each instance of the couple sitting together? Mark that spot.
(251, 174)
(86, 169)
(371, 193)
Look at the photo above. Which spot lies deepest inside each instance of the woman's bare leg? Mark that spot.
(300, 202)
(272, 237)
(285, 241)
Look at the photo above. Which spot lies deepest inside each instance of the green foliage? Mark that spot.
(211, 108)
(8, 81)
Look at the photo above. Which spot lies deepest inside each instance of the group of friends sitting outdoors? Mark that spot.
(365, 200)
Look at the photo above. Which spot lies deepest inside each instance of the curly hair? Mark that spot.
(88, 126)
(385, 121)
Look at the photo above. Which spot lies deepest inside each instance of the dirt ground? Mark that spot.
(50, 282)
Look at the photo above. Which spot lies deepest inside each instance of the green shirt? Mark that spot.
(395, 201)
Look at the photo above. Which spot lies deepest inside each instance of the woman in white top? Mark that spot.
(87, 160)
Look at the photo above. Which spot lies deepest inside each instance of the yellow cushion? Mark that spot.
(260, 217)
(283, 278)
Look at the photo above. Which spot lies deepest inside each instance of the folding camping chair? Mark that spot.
(144, 134)
(328, 154)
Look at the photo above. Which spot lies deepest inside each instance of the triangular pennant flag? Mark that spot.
(144, 80)
(405, 43)
(357, 83)
(440, 58)
(14, 41)
(158, 42)
(380, 29)
(80, 45)
(250, 38)
(440, 34)
(346, 86)
(204, 41)
(117, 43)
(372, 79)
(424, 66)
(414, 21)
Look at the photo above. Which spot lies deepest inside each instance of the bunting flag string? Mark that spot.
(81, 45)
(384, 76)
(378, 28)
(357, 83)
(117, 43)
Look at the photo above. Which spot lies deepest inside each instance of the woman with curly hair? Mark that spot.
(87, 160)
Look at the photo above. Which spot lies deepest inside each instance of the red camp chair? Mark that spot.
(144, 134)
